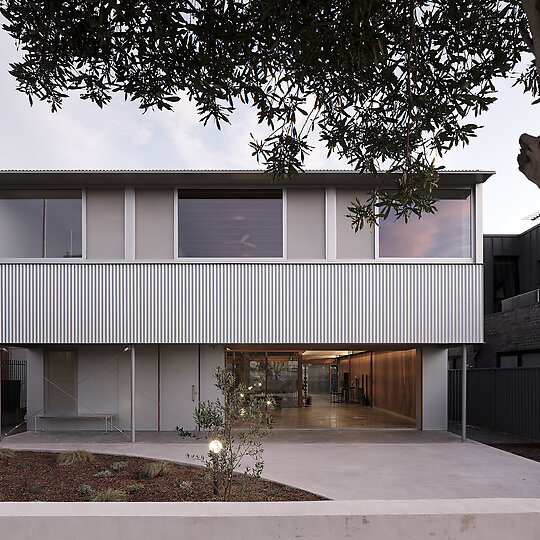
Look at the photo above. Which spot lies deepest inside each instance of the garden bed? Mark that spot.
(36, 476)
(526, 450)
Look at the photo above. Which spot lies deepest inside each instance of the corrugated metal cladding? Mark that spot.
(240, 303)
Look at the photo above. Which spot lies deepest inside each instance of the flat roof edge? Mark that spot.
(229, 178)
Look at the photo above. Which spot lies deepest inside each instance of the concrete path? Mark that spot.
(343, 465)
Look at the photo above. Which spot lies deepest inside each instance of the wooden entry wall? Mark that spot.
(394, 378)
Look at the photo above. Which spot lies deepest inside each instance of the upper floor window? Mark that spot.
(230, 223)
(35, 223)
(444, 234)
(505, 279)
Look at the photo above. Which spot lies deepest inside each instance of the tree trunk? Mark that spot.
(529, 156)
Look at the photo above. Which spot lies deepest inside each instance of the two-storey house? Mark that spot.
(126, 289)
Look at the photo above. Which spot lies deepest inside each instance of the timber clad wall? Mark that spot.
(394, 381)
(240, 303)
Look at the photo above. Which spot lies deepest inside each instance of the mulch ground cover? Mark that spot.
(526, 450)
(36, 476)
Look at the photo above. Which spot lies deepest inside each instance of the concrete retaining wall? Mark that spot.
(446, 519)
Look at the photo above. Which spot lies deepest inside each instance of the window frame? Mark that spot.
(475, 255)
(519, 355)
(43, 259)
(176, 235)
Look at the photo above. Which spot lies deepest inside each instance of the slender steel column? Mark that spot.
(133, 393)
(464, 395)
(1, 350)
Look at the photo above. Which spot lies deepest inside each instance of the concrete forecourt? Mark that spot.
(386, 485)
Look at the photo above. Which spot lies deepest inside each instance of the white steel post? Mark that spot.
(464, 395)
(132, 393)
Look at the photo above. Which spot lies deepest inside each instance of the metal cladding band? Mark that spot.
(240, 303)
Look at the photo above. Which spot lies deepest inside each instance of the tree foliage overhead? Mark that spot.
(383, 83)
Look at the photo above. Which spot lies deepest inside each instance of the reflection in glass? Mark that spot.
(446, 233)
(36, 224)
(64, 228)
(21, 228)
(272, 374)
(230, 224)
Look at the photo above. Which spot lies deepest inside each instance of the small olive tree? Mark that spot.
(238, 420)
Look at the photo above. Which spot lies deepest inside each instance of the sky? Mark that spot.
(82, 136)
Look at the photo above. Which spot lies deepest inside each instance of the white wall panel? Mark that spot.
(434, 388)
(240, 303)
(97, 383)
(211, 357)
(179, 377)
(34, 385)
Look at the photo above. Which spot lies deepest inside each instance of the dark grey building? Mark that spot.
(511, 301)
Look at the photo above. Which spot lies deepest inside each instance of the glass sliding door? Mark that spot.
(273, 373)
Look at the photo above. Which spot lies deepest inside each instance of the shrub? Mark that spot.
(110, 495)
(236, 423)
(36, 490)
(21, 466)
(155, 469)
(6, 453)
(186, 486)
(133, 488)
(1, 498)
(84, 489)
(117, 465)
(74, 456)
(103, 474)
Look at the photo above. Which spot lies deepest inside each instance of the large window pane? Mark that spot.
(37, 223)
(505, 279)
(447, 233)
(230, 224)
(64, 228)
(21, 228)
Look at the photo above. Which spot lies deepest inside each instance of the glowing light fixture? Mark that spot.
(215, 446)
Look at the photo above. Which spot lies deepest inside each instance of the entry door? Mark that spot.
(179, 386)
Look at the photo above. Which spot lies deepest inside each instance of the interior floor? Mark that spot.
(322, 414)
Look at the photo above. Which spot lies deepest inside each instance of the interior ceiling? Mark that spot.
(314, 355)
(319, 347)
(310, 354)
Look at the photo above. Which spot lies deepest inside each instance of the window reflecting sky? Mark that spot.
(447, 233)
(21, 228)
(64, 230)
(230, 227)
(21, 225)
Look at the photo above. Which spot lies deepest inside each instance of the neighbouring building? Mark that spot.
(124, 290)
(511, 301)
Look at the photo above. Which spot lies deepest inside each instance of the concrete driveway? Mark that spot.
(342, 465)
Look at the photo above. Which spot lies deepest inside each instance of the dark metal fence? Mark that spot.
(13, 384)
(500, 399)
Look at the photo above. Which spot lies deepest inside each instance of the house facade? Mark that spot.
(124, 290)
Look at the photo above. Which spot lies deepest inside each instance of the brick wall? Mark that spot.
(509, 331)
